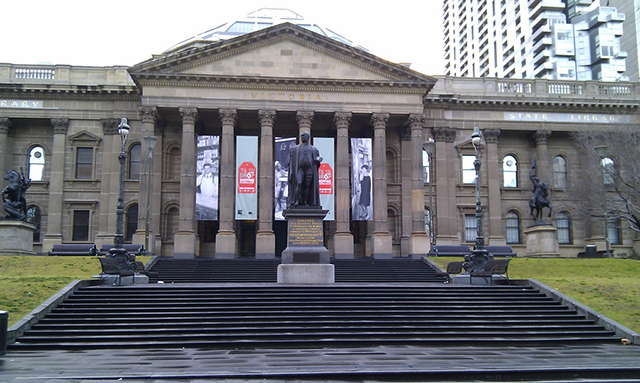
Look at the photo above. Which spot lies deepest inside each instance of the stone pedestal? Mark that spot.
(305, 260)
(542, 241)
(343, 246)
(419, 245)
(225, 245)
(16, 237)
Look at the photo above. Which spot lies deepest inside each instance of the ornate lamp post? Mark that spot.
(477, 260)
(151, 143)
(601, 152)
(118, 252)
(430, 148)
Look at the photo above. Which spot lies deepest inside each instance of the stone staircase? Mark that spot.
(253, 316)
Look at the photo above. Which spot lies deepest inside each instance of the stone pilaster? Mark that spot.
(226, 237)
(265, 238)
(542, 154)
(419, 245)
(56, 184)
(343, 239)
(446, 163)
(381, 245)
(109, 185)
(185, 243)
(5, 124)
(494, 211)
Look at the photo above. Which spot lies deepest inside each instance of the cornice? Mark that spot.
(458, 103)
(69, 94)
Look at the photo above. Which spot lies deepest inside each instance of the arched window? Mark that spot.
(36, 163)
(172, 221)
(563, 222)
(510, 172)
(608, 171)
(134, 162)
(34, 217)
(132, 222)
(613, 230)
(513, 227)
(392, 223)
(559, 172)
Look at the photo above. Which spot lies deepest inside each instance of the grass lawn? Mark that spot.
(27, 281)
(608, 286)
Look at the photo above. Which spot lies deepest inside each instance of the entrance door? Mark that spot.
(247, 238)
(280, 231)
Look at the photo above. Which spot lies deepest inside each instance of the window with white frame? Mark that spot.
(559, 172)
(510, 172)
(468, 170)
(608, 171)
(613, 230)
(36, 163)
(84, 163)
(134, 162)
(470, 228)
(563, 222)
(513, 227)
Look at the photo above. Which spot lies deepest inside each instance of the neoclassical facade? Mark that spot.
(60, 123)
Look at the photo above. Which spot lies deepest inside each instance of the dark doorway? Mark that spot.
(280, 231)
(247, 238)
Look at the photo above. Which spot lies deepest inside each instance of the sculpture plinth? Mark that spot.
(542, 241)
(16, 237)
(306, 259)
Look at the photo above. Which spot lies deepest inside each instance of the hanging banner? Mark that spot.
(207, 178)
(281, 176)
(247, 178)
(361, 171)
(326, 176)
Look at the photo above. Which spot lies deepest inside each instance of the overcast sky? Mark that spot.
(126, 32)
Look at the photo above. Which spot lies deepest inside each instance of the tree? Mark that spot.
(609, 175)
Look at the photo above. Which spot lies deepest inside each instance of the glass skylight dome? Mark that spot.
(257, 20)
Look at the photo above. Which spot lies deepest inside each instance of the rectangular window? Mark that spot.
(468, 170)
(564, 231)
(470, 228)
(613, 231)
(80, 225)
(84, 163)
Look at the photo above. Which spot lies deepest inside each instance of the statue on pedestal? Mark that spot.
(540, 196)
(13, 195)
(304, 162)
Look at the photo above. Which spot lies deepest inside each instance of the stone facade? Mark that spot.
(274, 83)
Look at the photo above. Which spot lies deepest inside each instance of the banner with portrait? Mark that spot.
(207, 178)
(281, 174)
(361, 180)
(246, 178)
(326, 178)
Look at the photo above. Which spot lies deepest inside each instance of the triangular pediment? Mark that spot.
(84, 136)
(282, 53)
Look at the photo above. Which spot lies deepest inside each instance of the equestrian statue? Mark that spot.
(540, 196)
(13, 195)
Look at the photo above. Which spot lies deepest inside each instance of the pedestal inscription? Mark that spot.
(305, 232)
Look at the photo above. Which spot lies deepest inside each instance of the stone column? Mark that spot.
(381, 246)
(5, 124)
(226, 237)
(149, 117)
(494, 211)
(447, 163)
(109, 183)
(56, 184)
(419, 245)
(343, 239)
(265, 238)
(185, 243)
(542, 154)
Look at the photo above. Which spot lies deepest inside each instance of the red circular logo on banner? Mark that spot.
(325, 178)
(247, 178)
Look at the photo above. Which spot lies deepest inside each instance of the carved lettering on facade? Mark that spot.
(281, 96)
(22, 104)
(564, 117)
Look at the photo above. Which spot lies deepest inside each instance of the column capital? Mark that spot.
(379, 120)
(5, 124)
(417, 121)
(491, 135)
(342, 119)
(444, 134)
(267, 117)
(304, 117)
(110, 126)
(541, 136)
(148, 114)
(60, 125)
(228, 116)
(189, 115)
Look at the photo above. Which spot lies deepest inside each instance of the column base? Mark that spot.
(225, 245)
(184, 245)
(343, 246)
(419, 245)
(265, 245)
(139, 238)
(49, 240)
(381, 246)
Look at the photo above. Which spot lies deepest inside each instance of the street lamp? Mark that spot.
(430, 148)
(601, 152)
(478, 258)
(118, 252)
(151, 143)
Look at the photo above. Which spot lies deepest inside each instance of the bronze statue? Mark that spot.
(13, 196)
(540, 196)
(304, 161)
